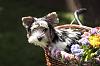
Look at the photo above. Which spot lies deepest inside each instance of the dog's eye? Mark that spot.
(35, 29)
(45, 29)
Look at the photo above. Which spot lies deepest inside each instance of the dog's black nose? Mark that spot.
(39, 38)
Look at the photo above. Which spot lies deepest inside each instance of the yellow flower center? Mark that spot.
(94, 40)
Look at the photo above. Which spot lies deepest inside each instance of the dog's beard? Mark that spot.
(33, 39)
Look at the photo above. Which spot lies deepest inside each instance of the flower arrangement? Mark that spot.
(89, 50)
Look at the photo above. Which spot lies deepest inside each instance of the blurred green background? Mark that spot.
(14, 48)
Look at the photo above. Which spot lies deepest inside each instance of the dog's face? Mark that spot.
(38, 29)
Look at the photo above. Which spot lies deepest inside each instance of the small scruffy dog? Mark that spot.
(41, 32)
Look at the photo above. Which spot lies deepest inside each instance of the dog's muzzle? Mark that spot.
(39, 38)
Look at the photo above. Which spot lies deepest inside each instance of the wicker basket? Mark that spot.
(52, 62)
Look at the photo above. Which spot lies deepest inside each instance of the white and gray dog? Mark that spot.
(41, 32)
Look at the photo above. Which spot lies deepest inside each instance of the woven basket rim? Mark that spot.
(73, 26)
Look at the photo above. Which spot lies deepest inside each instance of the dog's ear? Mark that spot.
(52, 18)
(27, 21)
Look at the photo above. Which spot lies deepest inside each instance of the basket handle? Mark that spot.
(76, 16)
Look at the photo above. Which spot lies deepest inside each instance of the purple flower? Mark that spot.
(76, 50)
(55, 53)
(84, 41)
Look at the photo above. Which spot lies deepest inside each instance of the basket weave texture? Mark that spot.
(52, 62)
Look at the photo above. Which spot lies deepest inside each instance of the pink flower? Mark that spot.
(86, 35)
(93, 30)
